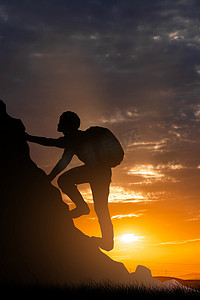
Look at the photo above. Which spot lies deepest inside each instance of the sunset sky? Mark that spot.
(132, 66)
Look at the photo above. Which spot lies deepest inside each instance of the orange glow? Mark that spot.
(150, 229)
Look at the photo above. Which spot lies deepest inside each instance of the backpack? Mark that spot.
(104, 146)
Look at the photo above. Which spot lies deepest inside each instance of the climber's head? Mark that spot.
(69, 122)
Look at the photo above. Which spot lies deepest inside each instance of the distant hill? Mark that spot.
(191, 276)
(189, 283)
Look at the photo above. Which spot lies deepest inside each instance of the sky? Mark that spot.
(132, 66)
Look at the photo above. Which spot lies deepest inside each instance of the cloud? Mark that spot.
(179, 242)
(146, 171)
(3, 14)
(117, 39)
(195, 216)
(118, 194)
(121, 216)
(156, 173)
(170, 166)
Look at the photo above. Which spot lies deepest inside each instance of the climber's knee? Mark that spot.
(60, 182)
(65, 184)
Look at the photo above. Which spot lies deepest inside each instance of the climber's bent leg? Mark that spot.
(67, 183)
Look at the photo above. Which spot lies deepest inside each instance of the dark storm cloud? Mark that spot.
(137, 62)
(141, 44)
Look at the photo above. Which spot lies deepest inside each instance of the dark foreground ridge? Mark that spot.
(105, 290)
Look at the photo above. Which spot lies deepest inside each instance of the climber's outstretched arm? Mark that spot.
(60, 143)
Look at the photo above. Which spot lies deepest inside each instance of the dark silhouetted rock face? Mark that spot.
(38, 240)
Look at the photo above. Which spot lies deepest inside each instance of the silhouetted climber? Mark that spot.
(99, 150)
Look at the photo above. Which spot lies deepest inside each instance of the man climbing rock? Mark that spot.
(100, 151)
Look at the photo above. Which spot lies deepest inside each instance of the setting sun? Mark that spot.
(130, 237)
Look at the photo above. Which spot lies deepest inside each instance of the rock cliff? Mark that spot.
(38, 241)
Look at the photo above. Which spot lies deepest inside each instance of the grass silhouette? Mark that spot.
(106, 290)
